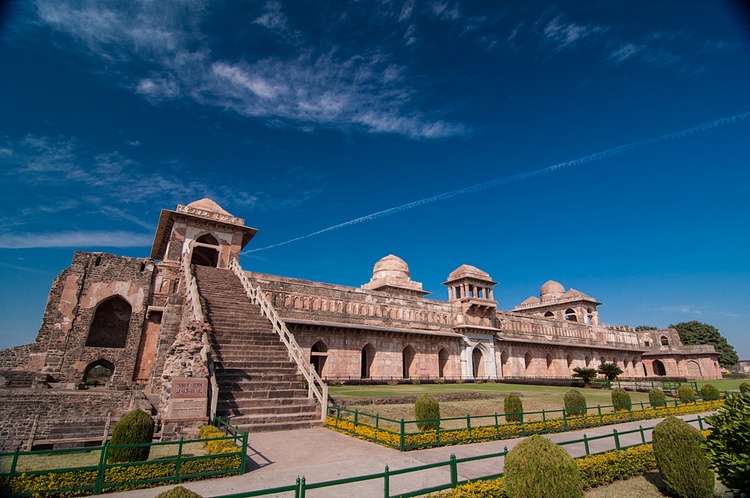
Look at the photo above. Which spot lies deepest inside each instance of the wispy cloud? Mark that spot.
(561, 33)
(115, 238)
(696, 311)
(334, 87)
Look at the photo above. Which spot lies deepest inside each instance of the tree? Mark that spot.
(697, 333)
(585, 374)
(610, 370)
(642, 328)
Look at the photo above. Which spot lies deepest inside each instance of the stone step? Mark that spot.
(266, 404)
(227, 409)
(264, 394)
(278, 426)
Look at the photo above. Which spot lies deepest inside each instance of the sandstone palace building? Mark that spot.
(187, 333)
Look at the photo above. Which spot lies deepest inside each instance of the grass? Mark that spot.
(86, 458)
(535, 399)
(724, 384)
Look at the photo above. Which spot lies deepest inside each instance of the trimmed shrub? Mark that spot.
(621, 400)
(657, 398)
(682, 463)
(179, 492)
(513, 408)
(709, 392)
(728, 443)
(537, 467)
(137, 427)
(745, 387)
(427, 412)
(575, 403)
(686, 394)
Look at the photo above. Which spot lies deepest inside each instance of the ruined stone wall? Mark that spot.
(16, 358)
(40, 413)
(294, 298)
(92, 279)
(344, 345)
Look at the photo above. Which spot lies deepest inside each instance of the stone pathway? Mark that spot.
(277, 458)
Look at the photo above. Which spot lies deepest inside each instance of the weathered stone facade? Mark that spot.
(132, 321)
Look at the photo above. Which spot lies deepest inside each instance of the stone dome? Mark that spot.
(551, 290)
(391, 267)
(207, 204)
(464, 271)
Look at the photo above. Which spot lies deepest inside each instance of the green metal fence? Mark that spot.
(301, 486)
(175, 467)
(405, 435)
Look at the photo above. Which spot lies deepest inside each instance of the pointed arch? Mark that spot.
(367, 358)
(442, 361)
(527, 358)
(109, 328)
(477, 360)
(407, 361)
(319, 357)
(549, 359)
(98, 372)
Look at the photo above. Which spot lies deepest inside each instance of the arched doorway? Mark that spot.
(367, 357)
(109, 328)
(318, 357)
(503, 363)
(477, 360)
(205, 251)
(442, 361)
(407, 360)
(98, 373)
(659, 369)
(694, 370)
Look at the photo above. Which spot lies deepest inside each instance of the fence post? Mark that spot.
(468, 427)
(601, 420)
(302, 487)
(700, 422)
(454, 471)
(377, 422)
(617, 439)
(356, 416)
(565, 420)
(296, 489)
(402, 436)
(99, 483)
(177, 464)
(243, 458)
(13, 468)
(544, 416)
(643, 436)
(586, 444)
(386, 483)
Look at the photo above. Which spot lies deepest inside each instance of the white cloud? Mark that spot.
(116, 238)
(625, 52)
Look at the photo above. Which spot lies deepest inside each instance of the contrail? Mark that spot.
(520, 176)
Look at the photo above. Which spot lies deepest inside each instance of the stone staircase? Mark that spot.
(260, 388)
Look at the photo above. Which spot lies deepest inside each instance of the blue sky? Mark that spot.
(302, 116)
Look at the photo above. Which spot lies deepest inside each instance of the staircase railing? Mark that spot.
(195, 310)
(315, 385)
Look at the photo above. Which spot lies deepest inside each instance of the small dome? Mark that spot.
(464, 271)
(207, 204)
(531, 300)
(391, 266)
(551, 290)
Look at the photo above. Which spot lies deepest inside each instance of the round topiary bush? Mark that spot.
(513, 407)
(683, 464)
(657, 398)
(710, 392)
(179, 492)
(137, 427)
(575, 403)
(537, 467)
(745, 387)
(686, 394)
(728, 443)
(621, 400)
(427, 412)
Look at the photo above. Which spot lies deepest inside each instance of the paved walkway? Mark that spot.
(277, 458)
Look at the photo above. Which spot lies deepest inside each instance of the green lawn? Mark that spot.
(724, 384)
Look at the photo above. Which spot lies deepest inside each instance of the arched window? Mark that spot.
(205, 251)
(442, 361)
(549, 360)
(367, 357)
(109, 328)
(407, 361)
(318, 356)
(527, 360)
(98, 373)
(569, 360)
(659, 369)
(664, 340)
(549, 314)
(478, 360)
(570, 315)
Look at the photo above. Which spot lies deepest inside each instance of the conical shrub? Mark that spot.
(136, 427)
(657, 398)
(427, 412)
(536, 467)
(621, 400)
(709, 392)
(682, 462)
(513, 407)
(575, 403)
(686, 394)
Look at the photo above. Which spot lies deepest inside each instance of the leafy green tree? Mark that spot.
(585, 374)
(610, 370)
(697, 333)
(642, 328)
